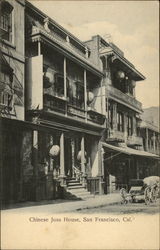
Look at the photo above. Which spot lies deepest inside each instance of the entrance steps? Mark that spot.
(75, 190)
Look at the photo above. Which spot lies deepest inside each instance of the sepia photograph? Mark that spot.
(79, 124)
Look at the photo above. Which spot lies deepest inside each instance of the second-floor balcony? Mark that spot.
(119, 136)
(123, 98)
(61, 106)
(134, 140)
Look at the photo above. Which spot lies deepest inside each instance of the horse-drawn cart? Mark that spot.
(147, 189)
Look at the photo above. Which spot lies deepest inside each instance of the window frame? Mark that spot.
(120, 121)
(129, 125)
(7, 13)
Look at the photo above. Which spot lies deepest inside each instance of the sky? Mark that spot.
(132, 25)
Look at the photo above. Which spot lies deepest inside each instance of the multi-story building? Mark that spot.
(64, 94)
(12, 61)
(57, 144)
(70, 120)
(122, 142)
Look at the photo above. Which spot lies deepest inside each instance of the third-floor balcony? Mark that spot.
(123, 98)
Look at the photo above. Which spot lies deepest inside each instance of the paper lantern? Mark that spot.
(48, 79)
(90, 96)
(54, 151)
(80, 154)
(133, 84)
(120, 74)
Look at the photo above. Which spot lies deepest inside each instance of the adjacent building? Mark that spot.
(12, 107)
(123, 139)
(70, 121)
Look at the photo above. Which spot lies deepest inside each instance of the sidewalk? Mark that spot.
(66, 206)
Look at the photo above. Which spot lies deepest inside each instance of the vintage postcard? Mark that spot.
(79, 124)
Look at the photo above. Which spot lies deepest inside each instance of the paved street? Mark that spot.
(133, 208)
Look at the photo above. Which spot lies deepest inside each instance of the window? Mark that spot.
(59, 85)
(110, 116)
(6, 21)
(6, 99)
(129, 125)
(120, 122)
(76, 94)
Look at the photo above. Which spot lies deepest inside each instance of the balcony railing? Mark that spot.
(94, 116)
(54, 103)
(116, 136)
(62, 106)
(123, 98)
(134, 140)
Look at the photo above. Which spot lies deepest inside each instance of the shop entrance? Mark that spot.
(72, 147)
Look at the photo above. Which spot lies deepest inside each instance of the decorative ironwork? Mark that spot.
(54, 103)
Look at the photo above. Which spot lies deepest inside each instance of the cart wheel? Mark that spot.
(154, 194)
(147, 195)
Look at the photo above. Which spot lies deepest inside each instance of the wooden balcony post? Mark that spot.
(39, 48)
(115, 116)
(85, 93)
(51, 159)
(35, 161)
(83, 167)
(137, 169)
(62, 165)
(146, 141)
(154, 142)
(101, 168)
(64, 74)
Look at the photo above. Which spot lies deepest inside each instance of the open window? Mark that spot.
(6, 21)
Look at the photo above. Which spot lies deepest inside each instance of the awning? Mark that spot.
(130, 151)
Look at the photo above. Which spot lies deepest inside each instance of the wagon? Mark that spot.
(146, 189)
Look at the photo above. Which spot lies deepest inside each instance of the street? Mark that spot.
(131, 208)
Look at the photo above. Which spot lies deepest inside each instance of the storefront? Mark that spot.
(121, 164)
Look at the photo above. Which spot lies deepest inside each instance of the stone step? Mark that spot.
(79, 186)
(79, 192)
(70, 184)
(73, 181)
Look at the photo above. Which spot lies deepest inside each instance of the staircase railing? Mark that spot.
(77, 174)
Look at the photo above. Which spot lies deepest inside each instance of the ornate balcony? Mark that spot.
(75, 111)
(54, 103)
(134, 141)
(123, 98)
(116, 136)
(94, 116)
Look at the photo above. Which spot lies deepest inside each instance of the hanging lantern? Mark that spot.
(48, 79)
(133, 84)
(120, 75)
(80, 154)
(90, 96)
(54, 151)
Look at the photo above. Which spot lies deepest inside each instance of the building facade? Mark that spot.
(69, 116)
(123, 140)
(12, 63)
